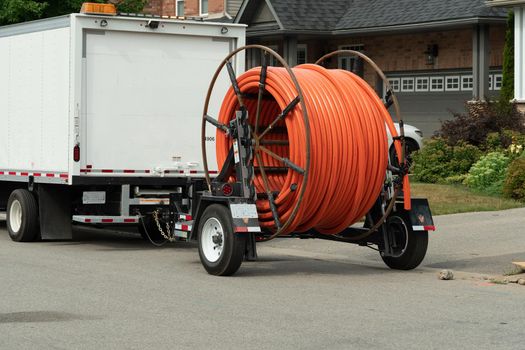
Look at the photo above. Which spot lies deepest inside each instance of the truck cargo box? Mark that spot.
(86, 96)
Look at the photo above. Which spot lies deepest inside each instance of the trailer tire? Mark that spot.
(412, 249)
(23, 222)
(221, 251)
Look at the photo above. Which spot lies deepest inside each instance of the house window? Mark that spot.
(491, 87)
(394, 84)
(421, 84)
(436, 83)
(350, 62)
(498, 80)
(407, 84)
(180, 8)
(467, 83)
(301, 54)
(203, 7)
(452, 83)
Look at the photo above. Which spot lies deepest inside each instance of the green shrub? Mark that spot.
(488, 173)
(514, 186)
(437, 161)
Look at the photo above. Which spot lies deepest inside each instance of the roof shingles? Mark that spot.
(333, 15)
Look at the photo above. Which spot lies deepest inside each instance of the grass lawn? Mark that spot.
(451, 199)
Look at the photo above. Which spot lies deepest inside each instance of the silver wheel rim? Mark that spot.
(15, 216)
(212, 240)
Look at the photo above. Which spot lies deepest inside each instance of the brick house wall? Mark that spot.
(191, 7)
(405, 52)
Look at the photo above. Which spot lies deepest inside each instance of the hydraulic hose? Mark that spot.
(348, 146)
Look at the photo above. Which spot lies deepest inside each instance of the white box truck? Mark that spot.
(100, 117)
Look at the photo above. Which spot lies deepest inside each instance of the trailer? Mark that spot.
(98, 116)
(111, 120)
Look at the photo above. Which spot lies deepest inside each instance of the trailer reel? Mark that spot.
(249, 140)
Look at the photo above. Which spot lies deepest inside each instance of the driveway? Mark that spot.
(110, 290)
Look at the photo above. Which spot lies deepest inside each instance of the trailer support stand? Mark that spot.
(251, 248)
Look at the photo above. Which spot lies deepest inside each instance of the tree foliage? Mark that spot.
(15, 11)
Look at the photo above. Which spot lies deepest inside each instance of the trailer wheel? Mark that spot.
(221, 250)
(409, 247)
(23, 223)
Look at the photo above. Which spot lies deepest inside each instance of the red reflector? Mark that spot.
(429, 228)
(129, 220)
(87, 220)
(50, 175)
(64, 176)
(12, 173)
(227, 189)
(36, 174)
(24, 174)
(76, 153)
(241, 229)
(107, 220)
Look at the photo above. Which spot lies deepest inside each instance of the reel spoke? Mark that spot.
(286, 161)
(217, 124)
(281, 116)
(262, 86)
(235, 85)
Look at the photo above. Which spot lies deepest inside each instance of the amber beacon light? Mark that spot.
(99, 9)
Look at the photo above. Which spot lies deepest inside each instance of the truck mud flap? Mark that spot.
(55, 212)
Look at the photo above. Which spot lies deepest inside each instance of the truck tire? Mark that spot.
(411, 246)
(23, 223)
(221, 251)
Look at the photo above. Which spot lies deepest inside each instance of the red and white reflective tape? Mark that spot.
(245, 229)
(188, 171)
(183, 227)
(26, 173)
(92, 219)
(424, 228)
(113, 171)
(185, 217)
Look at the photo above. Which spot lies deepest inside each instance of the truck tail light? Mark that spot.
(76, 153)
(227, 189)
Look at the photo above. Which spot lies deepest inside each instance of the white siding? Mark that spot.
(34, 95)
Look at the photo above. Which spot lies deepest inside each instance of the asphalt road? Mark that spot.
(108, 290)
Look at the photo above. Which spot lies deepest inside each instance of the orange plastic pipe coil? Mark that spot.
(348, 152)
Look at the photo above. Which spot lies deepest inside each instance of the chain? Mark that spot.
(168, 235)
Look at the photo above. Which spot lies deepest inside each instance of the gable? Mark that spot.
(263, 15)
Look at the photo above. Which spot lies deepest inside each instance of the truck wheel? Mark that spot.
(221, 250)
(23, 223)
(149, 231)
(409, 247)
